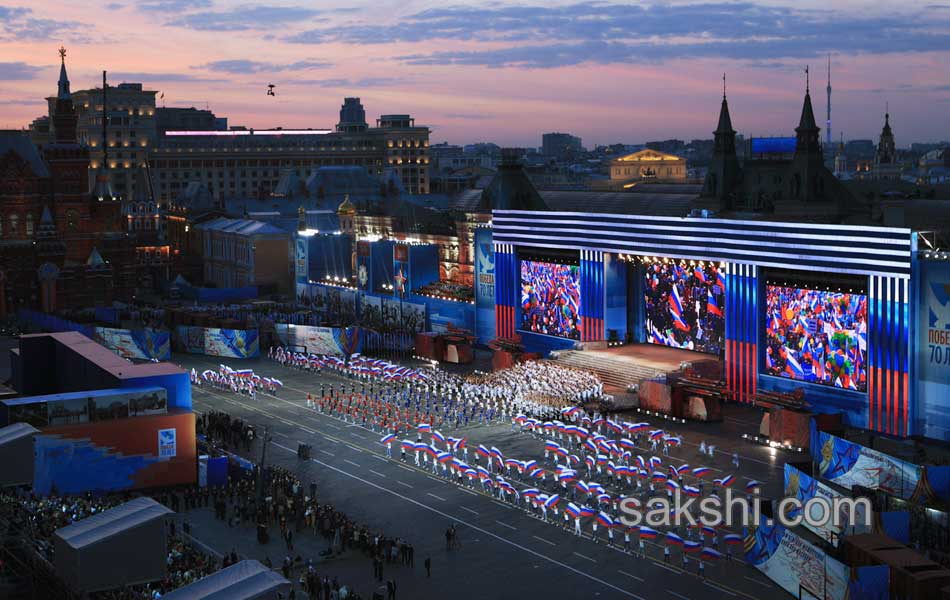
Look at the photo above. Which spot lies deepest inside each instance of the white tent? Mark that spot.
(126, 545)
(16, 454)
(245, 580)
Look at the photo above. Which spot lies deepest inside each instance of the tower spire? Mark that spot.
(63, 92)
(723, 86)
(828, 89)
(807, 81)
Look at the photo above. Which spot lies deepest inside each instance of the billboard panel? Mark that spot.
(933, 349)
(551, 299)
(301, 265)
(685, 306)
(232, 343)
(798, 567)
(319, 340)
(484, 285)
(142, 344)
(114, 456)
(817, 336)
(849, 464)
(802, 486)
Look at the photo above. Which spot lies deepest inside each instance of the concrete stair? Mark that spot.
(615, 373)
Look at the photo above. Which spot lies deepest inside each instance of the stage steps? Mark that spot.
(615, 373)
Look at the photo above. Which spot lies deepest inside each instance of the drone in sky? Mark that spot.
(270, 89)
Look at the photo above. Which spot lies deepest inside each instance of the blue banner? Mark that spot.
(144, 344)
(484, 285)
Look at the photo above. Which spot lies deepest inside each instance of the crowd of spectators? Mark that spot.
(229, 432)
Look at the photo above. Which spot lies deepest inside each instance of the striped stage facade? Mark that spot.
(506, 290)
(744, 251)
(741, 364)
(592, 295)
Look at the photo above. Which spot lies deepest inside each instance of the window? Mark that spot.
(14, 224)
(72, 219)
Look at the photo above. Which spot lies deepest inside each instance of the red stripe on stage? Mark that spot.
(878, 398)
(875, 390)
(755, 371)
(892, 399)
(905, 429)
(742, 370)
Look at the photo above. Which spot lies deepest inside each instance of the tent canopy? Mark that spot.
(17, 431)
(99, 527)
(245, 580)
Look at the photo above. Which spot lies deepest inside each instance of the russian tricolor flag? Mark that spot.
(582, 486)
(710, 554)
(733, 539)
(676, 305)
(387, 438)
(655, 462)
(483, 451)
(573, 510)
(657, 476)
(752, 486)
(691, 546)
(604, 519)
(424, 427)
(674, 540)
(712, 307)
(552, 501)
(437, 436)
(691, 491)
(701, 471)
(648, 533)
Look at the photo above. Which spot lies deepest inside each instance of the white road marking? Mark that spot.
(717, 588)
(544, 540)
(404, 484)
(377, 473)
(465, 508)
(283, 435)
(327, 453)
(762, 583)
(461, 489)
(506, 525)
(630, 575)
(584, 557)
(663, 566)
(382, 458)
(354, 448)
(678, 595)
(503, 504)
(436, 497)
(351, 462)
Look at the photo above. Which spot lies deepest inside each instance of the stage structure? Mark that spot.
(849, 314)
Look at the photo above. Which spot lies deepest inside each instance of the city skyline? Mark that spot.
(614, 72)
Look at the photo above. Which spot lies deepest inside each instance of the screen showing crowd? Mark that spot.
(685, 306)
(551, 299)
(817, 336)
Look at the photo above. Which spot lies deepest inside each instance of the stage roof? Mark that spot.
(245, 580)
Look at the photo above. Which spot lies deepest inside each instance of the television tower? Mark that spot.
(828, 121)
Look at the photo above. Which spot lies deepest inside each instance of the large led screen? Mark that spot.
(817, 336)
(551, 299)
(685, 306)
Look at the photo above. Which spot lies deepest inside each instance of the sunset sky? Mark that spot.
(608, 71)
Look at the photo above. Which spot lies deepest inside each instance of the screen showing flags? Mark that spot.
(685, 306)
(817, 336)
(551, 299)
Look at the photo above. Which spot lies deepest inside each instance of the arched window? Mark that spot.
(14, 224)
(29, 224)
(72, 219)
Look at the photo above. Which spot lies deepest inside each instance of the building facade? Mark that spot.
(130, 131)
(249, 163)
(245, 252)
(647, 165)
